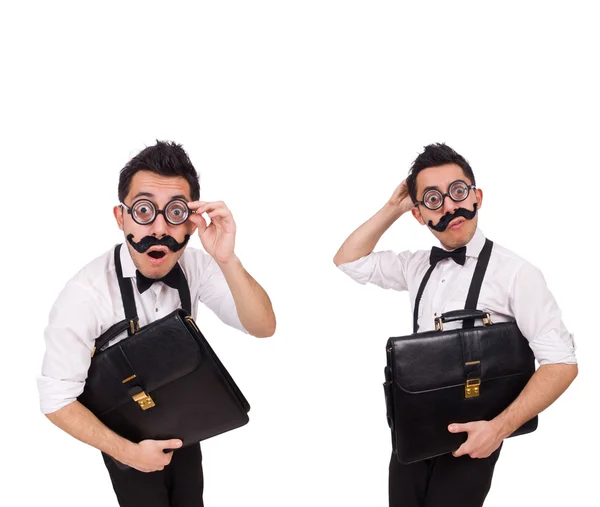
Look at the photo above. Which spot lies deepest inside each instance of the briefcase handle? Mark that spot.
(461, 315)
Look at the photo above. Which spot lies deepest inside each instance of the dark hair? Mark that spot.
(435, 155)
(165, 159)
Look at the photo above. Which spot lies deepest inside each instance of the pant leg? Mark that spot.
(408, 483)
(185, 481)
(460, 482)
(134, 488)
(180, 484)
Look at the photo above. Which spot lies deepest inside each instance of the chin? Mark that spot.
(454, 239)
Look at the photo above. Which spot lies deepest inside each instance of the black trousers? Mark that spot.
(444, 481)
(180, 484)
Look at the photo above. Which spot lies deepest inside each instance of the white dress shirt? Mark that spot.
(91, 302)
(512, 289)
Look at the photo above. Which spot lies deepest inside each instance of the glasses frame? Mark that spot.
(157, 211)
(447, 194)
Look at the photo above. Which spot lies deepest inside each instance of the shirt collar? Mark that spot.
(475, 246)
(127, 262)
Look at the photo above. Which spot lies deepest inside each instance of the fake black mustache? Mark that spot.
(448, 217)
(148, 241)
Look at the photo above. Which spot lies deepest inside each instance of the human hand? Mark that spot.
(400, 200)
(150, 455)
(218, 237)
(483, 438)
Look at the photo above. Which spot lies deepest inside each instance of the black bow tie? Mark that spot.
(437, 254)
(172, 279)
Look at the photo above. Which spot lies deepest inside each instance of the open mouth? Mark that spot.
(157, 254)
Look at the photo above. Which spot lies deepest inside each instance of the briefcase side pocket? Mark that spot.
(191, 326)
(388, 393)
(389, 406)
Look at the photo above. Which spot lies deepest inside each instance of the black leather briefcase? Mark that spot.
(163, 381)
(441, 377)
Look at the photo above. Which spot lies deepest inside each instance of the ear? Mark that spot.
(479, 196)
(417, 214)
(118, 212)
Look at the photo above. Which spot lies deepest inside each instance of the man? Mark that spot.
(440, 192)
(158, 212)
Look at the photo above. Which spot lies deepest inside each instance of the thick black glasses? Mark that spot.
(458, 191)
(144, 212)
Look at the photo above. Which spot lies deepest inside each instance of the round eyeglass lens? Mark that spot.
(143, 212)
(177, 212)
(432, 199)
(459, 191)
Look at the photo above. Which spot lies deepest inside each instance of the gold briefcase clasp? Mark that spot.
(472, 388)
(143, 400)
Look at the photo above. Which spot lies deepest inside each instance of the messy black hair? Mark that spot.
(165, 159)
(435, 155)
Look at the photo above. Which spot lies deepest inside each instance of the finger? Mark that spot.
(458, 428)
(196, 204)
(225, 222)
(220, 214)
(174, 443)
(461, 451)
(208, 206)
(199, 221)
(398, 190)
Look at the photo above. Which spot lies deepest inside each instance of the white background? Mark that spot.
(303, 117)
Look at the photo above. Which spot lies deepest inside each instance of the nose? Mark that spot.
(159, 227)
(449, 205)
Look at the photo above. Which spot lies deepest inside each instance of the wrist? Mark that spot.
(229, 263)
(502, 427)
(391, 212)
(125, 451)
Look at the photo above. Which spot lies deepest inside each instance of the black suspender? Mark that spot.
(474, 288)
(126, 289)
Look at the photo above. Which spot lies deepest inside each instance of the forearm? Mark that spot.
(363, 240)
(544, 387)
(80, 423)
(252, 302)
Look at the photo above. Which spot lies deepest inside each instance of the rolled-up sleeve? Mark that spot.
(72, 329)
(385, 269)
(540, 319)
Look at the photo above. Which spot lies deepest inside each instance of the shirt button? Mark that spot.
(443, 280)
(156, 309)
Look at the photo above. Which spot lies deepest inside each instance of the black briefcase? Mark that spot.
(163, 381)
(440, 377)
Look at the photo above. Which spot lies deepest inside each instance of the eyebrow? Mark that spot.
(433, 187)
(150, 194)
(142, 194)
